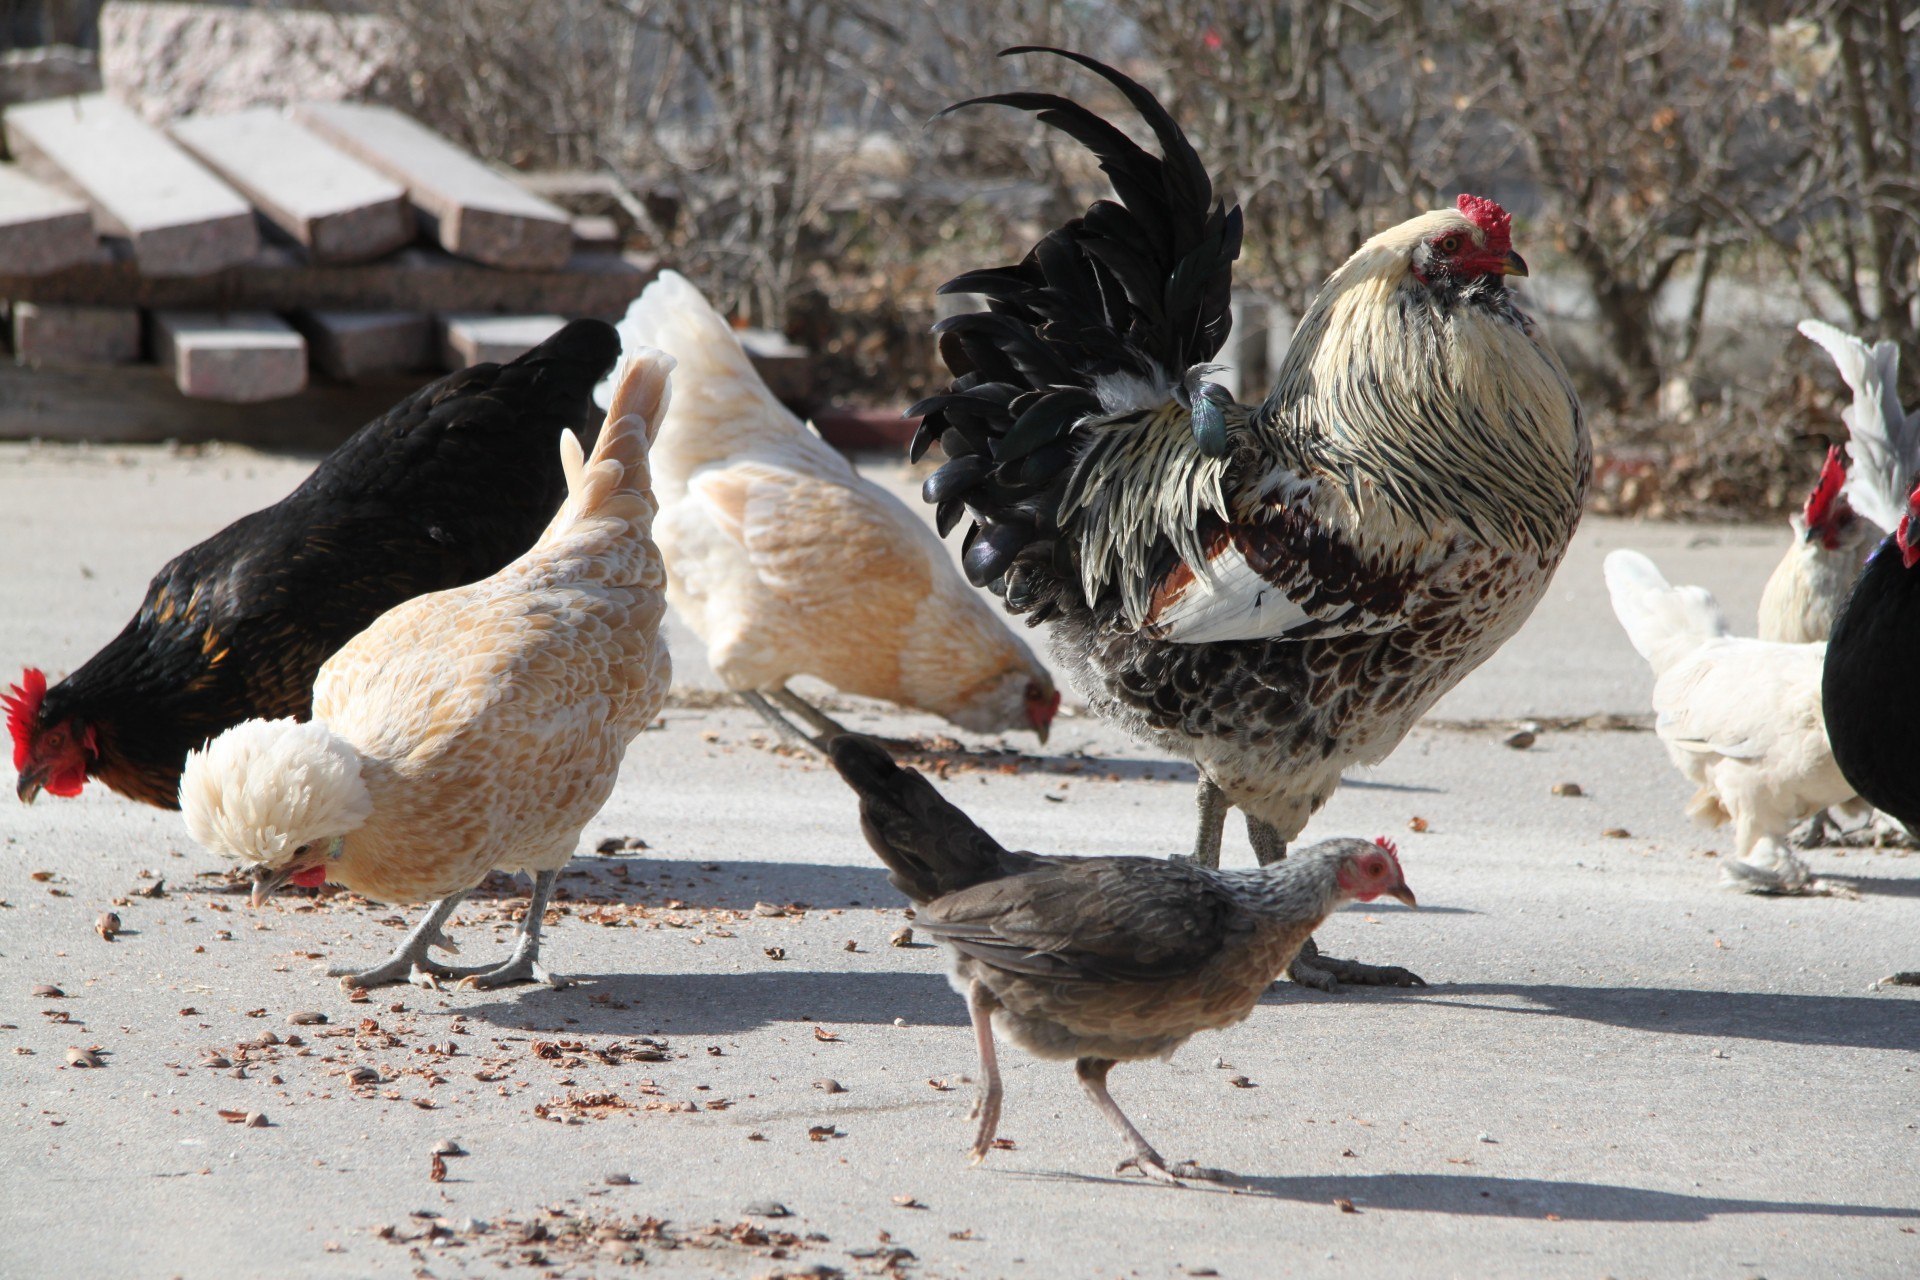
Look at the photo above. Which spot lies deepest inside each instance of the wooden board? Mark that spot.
(240, 357)
(47, 335)
(472, 210)
(139, 403)
(339, 208)
(418, 279)
(181, 219)
(41, 229)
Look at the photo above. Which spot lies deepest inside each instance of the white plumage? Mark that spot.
(1740, 718)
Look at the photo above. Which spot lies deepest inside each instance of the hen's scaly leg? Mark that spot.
(1310, 968)
(524, 964)
(783, 726)
(1142, 1156)
(1213, 823)
(411, 955)
(986, 1105)
(825, 725)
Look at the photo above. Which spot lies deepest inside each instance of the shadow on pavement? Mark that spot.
(1474, 1195)
(716, 1004)
(729, 885)
(1880, 886)
(1857, 1022)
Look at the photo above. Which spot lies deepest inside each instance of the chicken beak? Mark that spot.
(1512, 265)
(32, 779)
(1041, 730)
(1404, 894)
(267, 882)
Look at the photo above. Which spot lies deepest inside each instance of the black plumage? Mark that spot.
(1870, 688)
(447, 487)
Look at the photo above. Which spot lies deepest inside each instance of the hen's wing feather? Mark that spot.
(1091, 920)
(1739, 698)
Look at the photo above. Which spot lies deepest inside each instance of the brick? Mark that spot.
(240, 356)
(350, 345)
(41, 229)
(472, 210)
(56, 336)
(468, 340)
(182, 220)
(339, 208)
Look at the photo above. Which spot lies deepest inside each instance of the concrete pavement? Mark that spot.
(1619, 1070)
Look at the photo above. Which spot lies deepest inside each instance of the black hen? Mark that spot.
(447, 487)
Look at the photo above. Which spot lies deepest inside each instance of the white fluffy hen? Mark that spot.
(1740, 718)
(786, 562)
(467, 730)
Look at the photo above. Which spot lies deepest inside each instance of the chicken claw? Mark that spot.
(409, 960)
(1324, 973)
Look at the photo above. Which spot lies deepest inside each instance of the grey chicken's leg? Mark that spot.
(783, 726)
(1310, 968)
(825, 725)
(1213, 822)
(411, 954)
(986, 1106)
(524, 964)
(1093, 1078)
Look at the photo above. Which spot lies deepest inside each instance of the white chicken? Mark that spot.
(469, 730)
(1740, 718)
(1830, 544)
(786, 562)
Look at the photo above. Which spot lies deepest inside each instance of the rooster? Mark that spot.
(1276, 591)
(1097, 960)
(1741, 719)
(1830, 543)
(468, 730)
(446, 487)
(786, 562)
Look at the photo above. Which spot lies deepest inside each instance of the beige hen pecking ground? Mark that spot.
(470, 730)
(786, 562)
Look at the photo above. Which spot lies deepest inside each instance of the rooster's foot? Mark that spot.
(1789, 878)
(1149, 1165)
(1324, 973)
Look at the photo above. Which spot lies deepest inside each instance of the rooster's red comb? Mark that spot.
(1490, 218)
(22, 702)
(1820, 503)
(1393, 850)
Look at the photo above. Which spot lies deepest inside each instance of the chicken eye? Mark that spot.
(1449, 245)
(302, 851)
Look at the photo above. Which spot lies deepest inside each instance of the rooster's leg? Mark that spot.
(823, 724)
(524, 964)
(986, 1107)
(1213, 822)
(410, 957)
(1311, 969)
(783, 726)
(1268, 847)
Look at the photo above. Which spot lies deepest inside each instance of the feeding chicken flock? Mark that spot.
(426, 663)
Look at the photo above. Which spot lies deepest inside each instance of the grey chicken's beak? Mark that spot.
(267, 881)
(1512, 265)
(1041, 731)
(32, 779)
(1404, 894)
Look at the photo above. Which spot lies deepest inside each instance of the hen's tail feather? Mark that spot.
(1120, 301)
(1664, 622)
(1883, 440)
(672, 315)
(615, 475)
(929, 846)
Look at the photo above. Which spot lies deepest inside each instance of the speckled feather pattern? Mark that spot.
(492, 719)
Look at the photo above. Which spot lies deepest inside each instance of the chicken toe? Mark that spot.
(784, 727)
(410, 957)
(1324, 973)
(524, 964)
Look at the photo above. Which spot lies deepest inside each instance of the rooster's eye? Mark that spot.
(1450, 245)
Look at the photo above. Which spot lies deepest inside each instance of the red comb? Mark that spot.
(22, 702)
(1833, 474)
(1489, 217)
(1391, 848)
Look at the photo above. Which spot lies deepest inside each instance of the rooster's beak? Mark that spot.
(32, 780)
(1512, 265)
(1404, 894)
(267, 882)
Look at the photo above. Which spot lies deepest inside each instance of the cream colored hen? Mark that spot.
(786, 562)
(470, 730)
(1740, 718)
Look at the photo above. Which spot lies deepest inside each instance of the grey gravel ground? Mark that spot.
(1619, 1070)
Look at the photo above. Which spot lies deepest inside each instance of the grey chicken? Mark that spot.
(1097, 960)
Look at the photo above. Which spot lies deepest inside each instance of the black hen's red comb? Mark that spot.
(22, 702)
